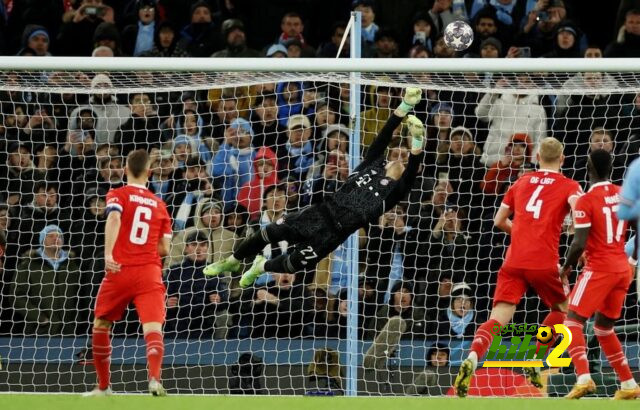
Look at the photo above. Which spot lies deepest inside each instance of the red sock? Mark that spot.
(578, 348)
(155, 352)
(613, 350)
(553, 318)
(483, 337)
(102, 356)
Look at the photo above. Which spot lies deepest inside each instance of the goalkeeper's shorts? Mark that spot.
(141, 285)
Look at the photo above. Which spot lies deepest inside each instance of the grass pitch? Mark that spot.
(139, 402)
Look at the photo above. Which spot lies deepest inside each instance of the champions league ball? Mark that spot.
(544, 334)
(458, 35)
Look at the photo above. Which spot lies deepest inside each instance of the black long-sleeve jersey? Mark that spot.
(368, 192)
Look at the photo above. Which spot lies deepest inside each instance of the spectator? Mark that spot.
(277, 51)
(190, 126)
(107, 35)
(368, 303)
(374, 118)
(163, 174)
(333, 173)
(235, 41)
(369, 27)
(438, 129)
(565, 42)
(182, 151)
(491, 47)
(234, 160)
(335, 137)
(292, 27)
(424, 33)
(386, 45)
(36, 38)
(73, 160)
(210, 222)
(441, 14)
(181, 204)
(102, 51)
(200, 37)
(441, 50)
(600, 139)
(290, 100)
(166, 43)
(235, 219)
(17, 186)
(400, 305)
(110, 175)
(268, 132)
(459, 320)
(485, 25)
(109, 114)
(504, 172)
(448, 243)
(265, 175)
(419, 51)
(275, 310)
(509, 114)
(296, 157)
(627, 43)
(438, 355)
(142, 129)
(138, 38)
(330, 48)
(76, 34)
(193, 300)
(46, 286)
(539, 30)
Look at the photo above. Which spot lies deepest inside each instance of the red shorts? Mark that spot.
(514, 282)
(602, 292)
(141, 285)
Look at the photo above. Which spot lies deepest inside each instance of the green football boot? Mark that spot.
(463, 380)
(224, 265)
(253, 273)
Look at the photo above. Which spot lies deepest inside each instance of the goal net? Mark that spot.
(234, 151)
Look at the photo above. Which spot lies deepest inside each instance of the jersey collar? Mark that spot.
(548, 170)
(597, 184)
(138, 186)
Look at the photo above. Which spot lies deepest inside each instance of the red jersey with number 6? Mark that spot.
(539, 202)
(598, 210)
(144, 221)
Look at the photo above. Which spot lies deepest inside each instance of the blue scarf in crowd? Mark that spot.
(184, 212)
(303, 157)
(144, 40)
(459, 324)
(503, 11)
(55, 263)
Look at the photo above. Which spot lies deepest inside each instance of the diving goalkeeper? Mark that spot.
(374, 187)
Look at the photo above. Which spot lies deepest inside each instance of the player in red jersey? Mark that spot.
(603, 284)
(137, 234)
(539, 201)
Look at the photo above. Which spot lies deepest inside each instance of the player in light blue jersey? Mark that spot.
(630, 202)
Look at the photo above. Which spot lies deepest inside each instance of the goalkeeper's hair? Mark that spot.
(138, 162)
(550, 150)
(600, 163)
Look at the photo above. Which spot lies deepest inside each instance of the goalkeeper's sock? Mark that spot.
(155, 352)
(613, 350)
(553, 318)
(484, 336)
(578, 348)
(101, 344)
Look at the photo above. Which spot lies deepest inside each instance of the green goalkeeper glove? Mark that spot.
(412, 96)
(416, 130)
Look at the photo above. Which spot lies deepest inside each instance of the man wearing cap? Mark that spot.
(235, 40)
(192, 299)
(374, 187)
(200, 37)
(296, 156)
(277, 51)
(565, 42)
(46, 286)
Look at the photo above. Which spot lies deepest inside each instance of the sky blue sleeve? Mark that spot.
(630, 202)
(630, 245)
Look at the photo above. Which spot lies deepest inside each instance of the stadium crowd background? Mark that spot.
(229, 160)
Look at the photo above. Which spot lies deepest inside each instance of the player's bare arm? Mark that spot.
(111, 230)
(575, 251)
(164, 246)
(502, 219)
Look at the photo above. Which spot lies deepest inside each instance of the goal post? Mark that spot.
(398, 298)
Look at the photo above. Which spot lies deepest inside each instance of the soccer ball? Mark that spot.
(544, 334)
(458, 35)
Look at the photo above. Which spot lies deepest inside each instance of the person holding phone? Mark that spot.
(76, 33)
(539, 27)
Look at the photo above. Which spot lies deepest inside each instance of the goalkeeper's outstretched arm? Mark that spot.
(412, 96)
(417, 132)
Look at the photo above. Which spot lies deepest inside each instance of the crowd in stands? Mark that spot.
(229, 161)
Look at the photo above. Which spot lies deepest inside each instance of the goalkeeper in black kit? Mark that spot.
(374, 187)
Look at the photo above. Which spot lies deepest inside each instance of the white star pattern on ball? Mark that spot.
(458, 35)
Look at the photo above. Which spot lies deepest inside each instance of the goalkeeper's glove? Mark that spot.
(416, 130)
(412, 96)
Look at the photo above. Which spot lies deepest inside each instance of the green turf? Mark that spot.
(123, 402)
